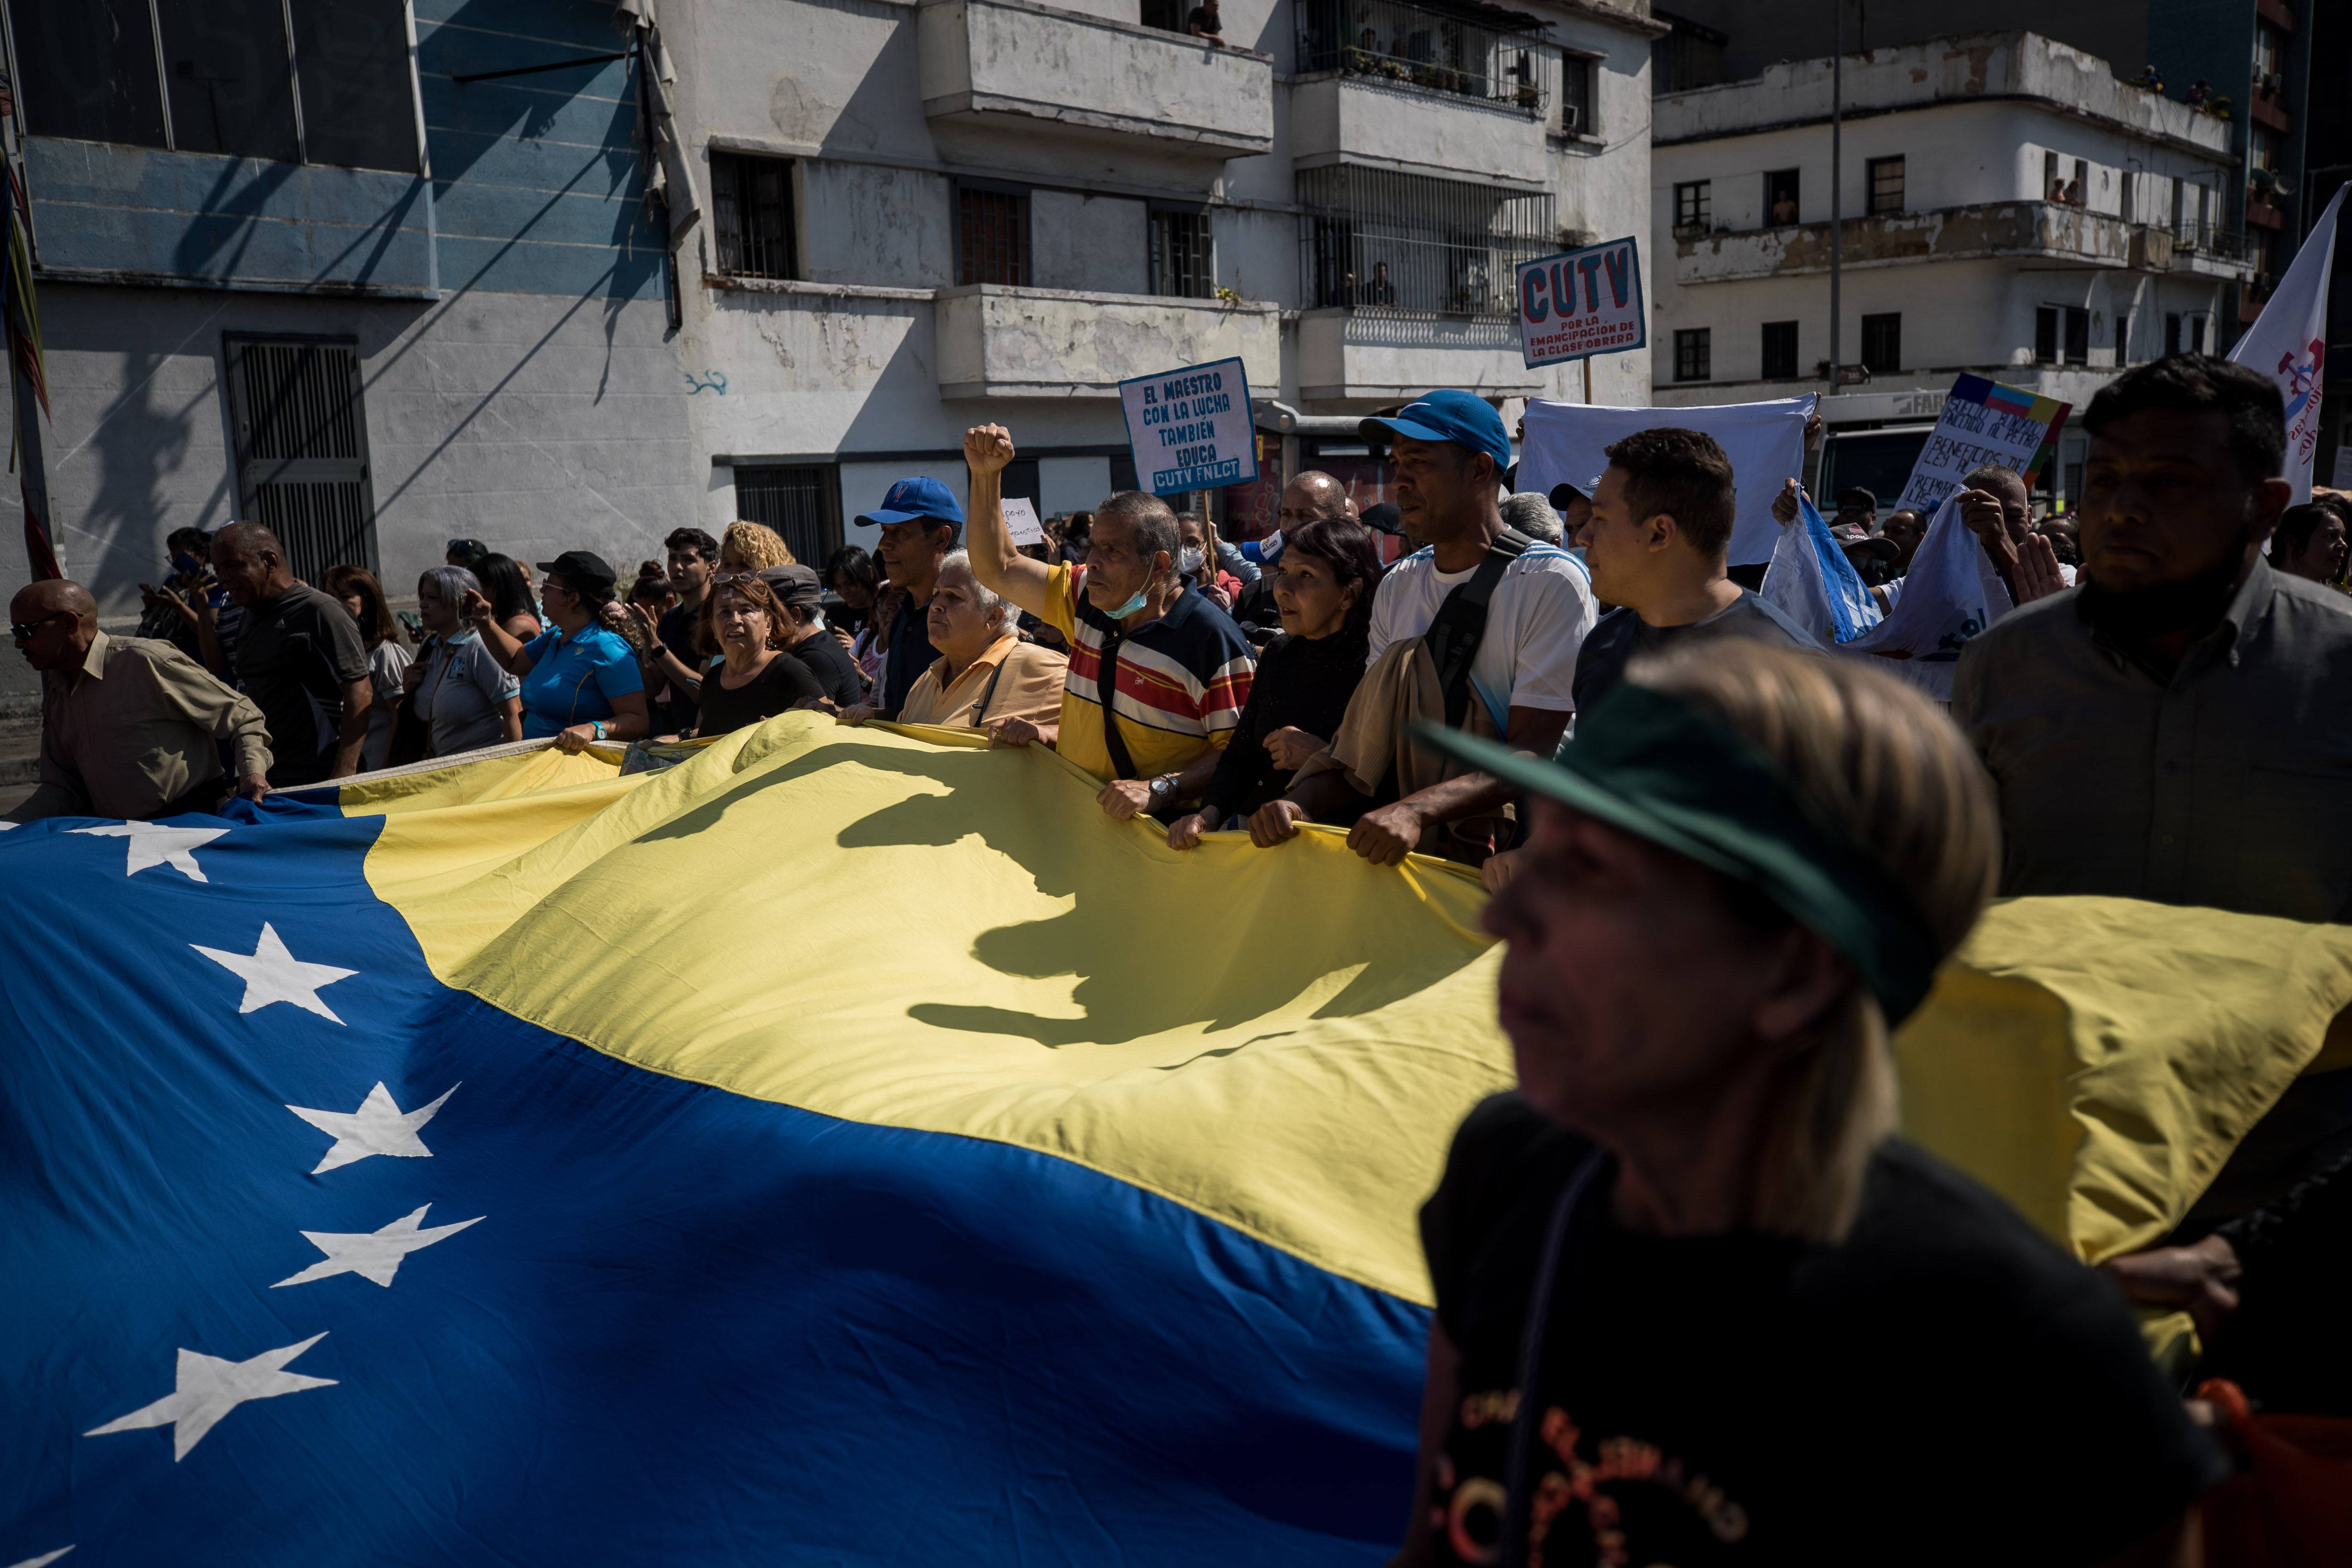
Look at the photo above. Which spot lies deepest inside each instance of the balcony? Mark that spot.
(1384, 355)
(1454, 49)
(2047, 230)
(999, 342)
(1014, 74)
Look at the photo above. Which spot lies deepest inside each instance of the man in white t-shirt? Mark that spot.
(1449, 453)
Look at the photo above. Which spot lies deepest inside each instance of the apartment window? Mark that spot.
(1693, 203)
(2196, 334)
(2053, 186)
(1886, 185)
(804, 504)
(1781, 192)
(335, 90)
(2123, 336)
(1373, 237)
(2061, 334)
(1575, 96)
(1693, 354)
(2172, 331)
(992, 234)
(1882, 343)
(1779, 351)
(1183, 265)
(300, 436)
(751, 215)
(1166, 15)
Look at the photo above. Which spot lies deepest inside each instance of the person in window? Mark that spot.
(1323, 590)
(1784, 208)
(1689, 1258)
(579, 681)
(1205, 23)
(985, 673)
(466, 700)
(1380, 290)
(508, 592)
(750, 678)
(388, 660)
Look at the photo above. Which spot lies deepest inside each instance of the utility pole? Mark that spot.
(1837, 181)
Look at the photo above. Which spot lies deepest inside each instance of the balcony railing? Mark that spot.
(1471, 49)
(2222, 244)
(1371, 239)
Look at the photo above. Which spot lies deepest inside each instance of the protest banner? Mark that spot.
(1982, 421)
(1191, 429)
(2288, 342)
(1020, 517)
(1582, 302)
(1566, 442)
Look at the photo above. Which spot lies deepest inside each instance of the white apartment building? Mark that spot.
(2011, 209)
(926, 213)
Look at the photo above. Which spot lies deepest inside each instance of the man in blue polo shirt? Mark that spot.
(919, 520)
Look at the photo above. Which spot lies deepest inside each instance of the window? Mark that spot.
(1183, 265)
(300, 436)
(1575, 96)
(2123, 336)
(1882, 343)
(1779, 351)
(1377, 238)
(803, 504)
(751, 215)
(1689, 57)
(1694, 356)
(1886, 185)
(2061, 330)
(2196, 334)
(2054, 188)
(1692, 206)
(2172, 331)
(336, 89)
(1166, 15)
(1781, 192)
(992, 234)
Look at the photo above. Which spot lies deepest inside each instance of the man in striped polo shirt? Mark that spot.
(1158, 675)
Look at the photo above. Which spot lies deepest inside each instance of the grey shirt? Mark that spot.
(2228, 786)
(459, 696)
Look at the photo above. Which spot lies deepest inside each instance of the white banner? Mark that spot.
(1020, 517)
(2288, 342)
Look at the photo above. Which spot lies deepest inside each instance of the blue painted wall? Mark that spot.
(536, 187)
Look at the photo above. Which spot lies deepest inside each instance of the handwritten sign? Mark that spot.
(1582, 302)
(1020, 517)
(1191, 429)
(1983, 422)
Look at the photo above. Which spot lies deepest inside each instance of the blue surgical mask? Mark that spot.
(1132, 606)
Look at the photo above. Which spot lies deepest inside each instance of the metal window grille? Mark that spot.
(1694, 204)
(1882, 343)
(1779, 351)
(751, 211)
(803, 504)
(1181, 262)
(1693, 354)
(1576, 95)
(1476, 50)
(1373, 239)
(993, 235)
(301, 448)
(1887, 185)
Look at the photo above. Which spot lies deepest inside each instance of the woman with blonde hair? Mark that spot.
(1697, 1303)
(750, 546)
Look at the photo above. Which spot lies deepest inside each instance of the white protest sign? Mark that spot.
(1982, 421)
(1191, 429)
(1764, 441)
(1582, 302)
(1020, 517)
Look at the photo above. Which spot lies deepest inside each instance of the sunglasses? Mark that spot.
(25, 631)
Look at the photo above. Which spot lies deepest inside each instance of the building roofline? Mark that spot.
(2222, 158)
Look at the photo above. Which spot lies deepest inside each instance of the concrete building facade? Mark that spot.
(2011, 209)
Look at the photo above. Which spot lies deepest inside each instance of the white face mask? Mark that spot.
(1188, 560)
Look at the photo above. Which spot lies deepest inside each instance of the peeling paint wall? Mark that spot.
(1087, 242)
(868, 224)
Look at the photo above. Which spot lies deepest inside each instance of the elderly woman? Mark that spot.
(579, 681)
(753, 678)
(464, 699)
(984, 673)
(1697, 1303)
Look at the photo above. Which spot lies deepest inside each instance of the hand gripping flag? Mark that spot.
(1810, 578)
(2288, 342)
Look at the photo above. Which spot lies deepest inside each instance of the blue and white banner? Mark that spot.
(2288, 342)
(1811, 579)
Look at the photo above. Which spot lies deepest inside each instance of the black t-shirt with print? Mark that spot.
(296, 653)
(781, 682)
(1945, 1387)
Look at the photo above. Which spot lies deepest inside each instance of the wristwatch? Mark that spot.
(1163, 788)
(598, 726)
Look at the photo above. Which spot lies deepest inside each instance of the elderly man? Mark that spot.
(127, 724)
(1158, 677)
(1306, 497)
(919, 520)
(985, 674)
(300, 658)
(1994, 504)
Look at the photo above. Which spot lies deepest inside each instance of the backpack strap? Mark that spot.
(1460, 624)
(1106, 694)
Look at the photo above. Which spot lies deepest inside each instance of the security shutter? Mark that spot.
(804, 504)
(301, 449)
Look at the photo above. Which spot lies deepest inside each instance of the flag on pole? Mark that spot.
(2289, 341)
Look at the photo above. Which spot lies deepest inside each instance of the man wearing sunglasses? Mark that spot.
(127, 724)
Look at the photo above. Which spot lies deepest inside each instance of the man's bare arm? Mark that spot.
(1000, 568)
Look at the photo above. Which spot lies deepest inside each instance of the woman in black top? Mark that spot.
(803, 597)
(1323, 589)
(754, 679)
(1695, 1302)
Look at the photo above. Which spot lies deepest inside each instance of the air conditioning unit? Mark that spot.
(1571, 117)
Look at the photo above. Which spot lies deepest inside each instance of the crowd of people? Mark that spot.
(1724, 861)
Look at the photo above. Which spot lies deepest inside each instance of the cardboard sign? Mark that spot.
(1020, 517)
(1982, 421)
(1582, 302)
(1191, 429)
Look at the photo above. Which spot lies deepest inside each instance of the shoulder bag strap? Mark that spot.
(1460, 624)
(1106, 693)
(988, 693)
(1527, 1417)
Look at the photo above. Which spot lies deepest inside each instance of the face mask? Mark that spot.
(1128, 608)
(1188, 560)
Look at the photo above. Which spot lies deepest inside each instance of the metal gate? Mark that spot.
(301, 448)
(804, 504)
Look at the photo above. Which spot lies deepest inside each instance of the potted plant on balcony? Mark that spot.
(1530, 96)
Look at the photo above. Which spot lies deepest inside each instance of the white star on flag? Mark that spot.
(378, 1127)
(209, 1388)
(373, 1254)
(46, 1558)
(273, 974)
(154, 846)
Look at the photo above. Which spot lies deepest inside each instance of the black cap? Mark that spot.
(582, 569)
(1384, 517)
(1856, 494)
(793, 584)
(1563, 494)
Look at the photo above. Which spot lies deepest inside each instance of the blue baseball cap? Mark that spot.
(1456, 417)
(916, 500)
